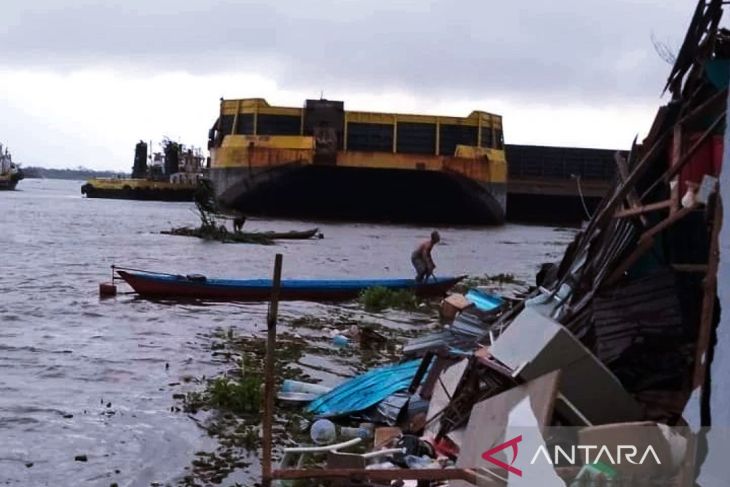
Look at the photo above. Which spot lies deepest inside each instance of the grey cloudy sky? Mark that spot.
(83, 80)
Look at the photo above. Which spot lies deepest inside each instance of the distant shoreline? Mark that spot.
(32, 172)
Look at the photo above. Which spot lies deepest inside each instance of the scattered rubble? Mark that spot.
(604, 350)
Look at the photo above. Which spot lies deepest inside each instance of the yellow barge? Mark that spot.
(323, 161)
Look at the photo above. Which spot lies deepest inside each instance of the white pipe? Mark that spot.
(323, 448)
(388, 451)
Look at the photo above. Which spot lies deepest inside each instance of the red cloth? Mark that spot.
(707, 159)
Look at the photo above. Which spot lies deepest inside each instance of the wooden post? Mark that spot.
(708, 300)
(623, 171)
(267, 421)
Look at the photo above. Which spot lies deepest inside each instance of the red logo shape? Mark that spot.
(487, 455)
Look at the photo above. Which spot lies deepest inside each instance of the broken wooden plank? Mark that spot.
(623, 172)
(640, 210)
(646, 242)
(666, 223)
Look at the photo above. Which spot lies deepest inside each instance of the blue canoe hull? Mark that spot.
(153, 285)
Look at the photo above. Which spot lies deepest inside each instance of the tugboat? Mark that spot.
(172, 175)
(10, 173)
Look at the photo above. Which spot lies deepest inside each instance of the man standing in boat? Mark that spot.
(421, 257)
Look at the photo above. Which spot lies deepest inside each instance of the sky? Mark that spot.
(82, 81)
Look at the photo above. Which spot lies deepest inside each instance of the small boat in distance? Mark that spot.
(172, 175)
(159, 285)
(10, 173)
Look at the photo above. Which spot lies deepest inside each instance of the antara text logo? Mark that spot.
(574, 455)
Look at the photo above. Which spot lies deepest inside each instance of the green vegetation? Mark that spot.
(241, 396)
(80, 173)
(376, 299)
(210, 228)
(228, 406)
(234, 400)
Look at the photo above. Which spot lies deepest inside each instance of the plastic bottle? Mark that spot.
(323, 432)
(340, 340)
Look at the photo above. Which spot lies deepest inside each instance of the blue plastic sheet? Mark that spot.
(484, 301)
(365, 390)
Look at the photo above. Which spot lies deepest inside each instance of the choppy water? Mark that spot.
(80, 375)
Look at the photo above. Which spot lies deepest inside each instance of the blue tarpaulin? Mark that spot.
(484, 301)
(365, 390)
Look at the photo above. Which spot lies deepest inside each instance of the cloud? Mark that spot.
(567, 50)
(86, 79)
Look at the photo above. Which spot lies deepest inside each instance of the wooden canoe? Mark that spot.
(155, 285)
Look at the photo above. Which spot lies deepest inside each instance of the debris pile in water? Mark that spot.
(605, 350)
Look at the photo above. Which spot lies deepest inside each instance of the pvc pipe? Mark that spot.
(323, 448)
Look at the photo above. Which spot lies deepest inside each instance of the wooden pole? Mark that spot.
(269, 374)
(384, 475)
(708, 299)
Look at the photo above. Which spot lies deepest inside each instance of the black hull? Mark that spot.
(8, 185)
(139, 194)
(361, 194)
(550, 209)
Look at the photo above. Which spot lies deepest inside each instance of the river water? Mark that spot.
(84, 376)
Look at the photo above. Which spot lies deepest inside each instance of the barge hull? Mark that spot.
(8, 185)
(359, 193)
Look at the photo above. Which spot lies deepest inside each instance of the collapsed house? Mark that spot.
(606, 350)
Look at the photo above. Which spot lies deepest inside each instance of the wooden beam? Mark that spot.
(646, 242)
(667, 222)
(640, 210)
(466, 475)
(620, 193)
(623, 172)
(708, 300)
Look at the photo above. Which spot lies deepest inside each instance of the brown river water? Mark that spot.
(84, 376)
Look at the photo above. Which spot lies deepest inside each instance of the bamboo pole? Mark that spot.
(269, 374)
